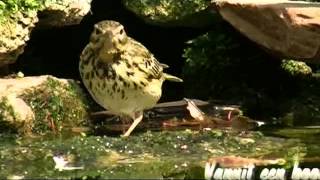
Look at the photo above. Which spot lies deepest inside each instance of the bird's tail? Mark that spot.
(172, 78)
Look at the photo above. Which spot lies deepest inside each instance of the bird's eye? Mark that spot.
(121, 31)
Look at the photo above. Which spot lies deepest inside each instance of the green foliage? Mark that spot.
(181, 12)
(8, 7)
(162, 9)
(222, 64)
(222, 61)
(296, 68)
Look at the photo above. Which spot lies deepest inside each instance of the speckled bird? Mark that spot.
(120, 73)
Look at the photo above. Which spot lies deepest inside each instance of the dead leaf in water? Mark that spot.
(195, 112)
(237, 162)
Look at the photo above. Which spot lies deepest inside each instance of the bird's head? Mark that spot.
(109, 32)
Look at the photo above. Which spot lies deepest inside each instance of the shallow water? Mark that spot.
(176, 154)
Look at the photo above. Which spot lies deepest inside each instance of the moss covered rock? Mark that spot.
(14, 33)
(63, 12)
(41, 104)
(194, 13)
(18, 18)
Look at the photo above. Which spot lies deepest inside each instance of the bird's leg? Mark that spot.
(125, 120)
(137, 117)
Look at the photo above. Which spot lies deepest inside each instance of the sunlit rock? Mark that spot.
(14, 33)
(64, 12)
(18, 19)
(40, 104)
(286, 28)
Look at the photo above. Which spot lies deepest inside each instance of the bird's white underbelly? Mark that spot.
(135, 99)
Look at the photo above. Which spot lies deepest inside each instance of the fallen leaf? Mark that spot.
(195, 112)
(238, 162)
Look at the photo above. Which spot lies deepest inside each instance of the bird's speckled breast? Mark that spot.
(118, 86)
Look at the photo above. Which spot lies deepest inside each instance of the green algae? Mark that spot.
(174, 154)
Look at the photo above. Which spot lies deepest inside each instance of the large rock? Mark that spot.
(39, 104)
(17, 23)
(14, 32)
(64, 12)
(286, 28)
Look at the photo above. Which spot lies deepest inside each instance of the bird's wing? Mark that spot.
(145, 61)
